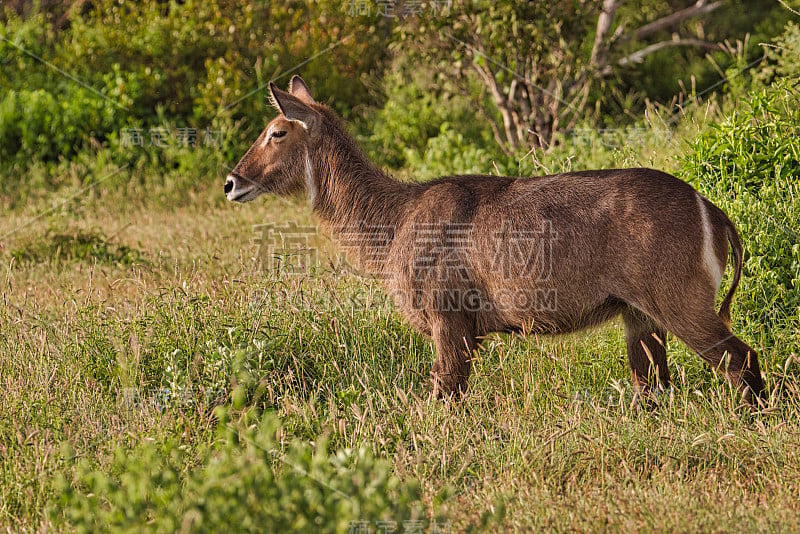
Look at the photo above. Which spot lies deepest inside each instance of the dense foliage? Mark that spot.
(181, 85)
(165, 85)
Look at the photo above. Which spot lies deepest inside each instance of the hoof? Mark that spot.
(448, 389)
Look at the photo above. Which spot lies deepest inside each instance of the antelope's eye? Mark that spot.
(278, 133)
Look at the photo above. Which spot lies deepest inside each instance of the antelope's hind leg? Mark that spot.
(709, 337)
(454, 342)
(647, 352)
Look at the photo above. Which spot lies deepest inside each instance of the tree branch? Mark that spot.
(498, 137)
(64, 19)
(604, 21)
(639, 55)
(701, 7)
(502, 104)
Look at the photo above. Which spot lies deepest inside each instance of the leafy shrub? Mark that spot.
(71, 91)
(249, 481)
(416, 110)
(451, 152)
(782, 57)
(41, 125)
(45, 115)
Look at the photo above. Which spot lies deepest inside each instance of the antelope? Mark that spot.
(465, 256)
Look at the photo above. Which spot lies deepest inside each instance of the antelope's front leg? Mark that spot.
(454, 341)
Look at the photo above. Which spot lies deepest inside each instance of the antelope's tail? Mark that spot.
(736, 248)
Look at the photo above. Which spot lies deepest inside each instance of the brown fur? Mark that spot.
(468, 255)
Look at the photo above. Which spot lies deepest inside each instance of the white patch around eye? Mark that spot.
(310, 185)
(268, 136)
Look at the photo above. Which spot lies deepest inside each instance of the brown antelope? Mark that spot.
(465, 256)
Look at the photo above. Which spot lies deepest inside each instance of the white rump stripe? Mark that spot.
(710, 260)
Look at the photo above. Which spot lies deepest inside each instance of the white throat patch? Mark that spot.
(311, 186)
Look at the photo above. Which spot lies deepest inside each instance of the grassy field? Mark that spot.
(127, 325)
(169, 364)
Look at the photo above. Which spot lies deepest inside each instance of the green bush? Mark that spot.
(48, 112)
(249, 481)
(70, 92)
(451, 152)
(417, 108)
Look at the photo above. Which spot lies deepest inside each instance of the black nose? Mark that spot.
(228, 185)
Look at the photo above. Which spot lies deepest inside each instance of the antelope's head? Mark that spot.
(278, 162)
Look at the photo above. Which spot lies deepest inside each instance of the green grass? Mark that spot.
(121, 340)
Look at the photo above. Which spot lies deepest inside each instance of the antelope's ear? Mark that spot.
(291, 107)
(298, 88)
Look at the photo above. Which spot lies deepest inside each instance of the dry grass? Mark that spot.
(546, 437)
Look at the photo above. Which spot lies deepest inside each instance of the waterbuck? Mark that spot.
(464, 256)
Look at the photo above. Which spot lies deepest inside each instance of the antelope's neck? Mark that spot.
(362, 206)
(350, 192)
